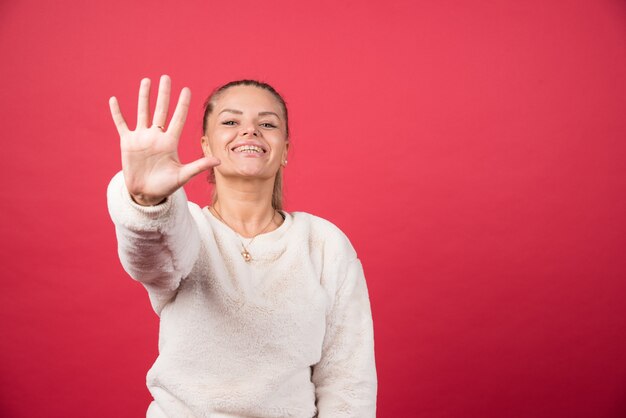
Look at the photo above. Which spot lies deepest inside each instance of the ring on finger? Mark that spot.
(162, 128)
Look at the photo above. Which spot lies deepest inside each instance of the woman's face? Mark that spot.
(246, 131)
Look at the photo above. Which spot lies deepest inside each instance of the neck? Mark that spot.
(246, 205)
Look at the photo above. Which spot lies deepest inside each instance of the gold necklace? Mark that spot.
(245, 253)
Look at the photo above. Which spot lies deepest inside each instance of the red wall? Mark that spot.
(474, 152)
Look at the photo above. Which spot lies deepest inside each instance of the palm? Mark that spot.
(152, 169)
(150, 162)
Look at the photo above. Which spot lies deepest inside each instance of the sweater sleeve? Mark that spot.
(157, 245)
(345, 377)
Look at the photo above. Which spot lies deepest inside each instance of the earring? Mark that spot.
(285, 163)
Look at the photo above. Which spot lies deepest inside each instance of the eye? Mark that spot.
(229, 122)
(268, 125)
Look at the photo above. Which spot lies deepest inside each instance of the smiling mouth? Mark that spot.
(249, 149)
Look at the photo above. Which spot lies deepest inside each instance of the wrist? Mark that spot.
(145, 201)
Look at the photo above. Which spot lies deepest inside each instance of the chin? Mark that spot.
(249, 173)
(255, 171)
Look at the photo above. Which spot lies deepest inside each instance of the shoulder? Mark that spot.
(194, 209)
(320, 224)
(323, 233)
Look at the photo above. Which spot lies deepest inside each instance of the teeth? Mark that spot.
(249, 148)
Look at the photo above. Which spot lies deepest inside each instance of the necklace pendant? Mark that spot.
(246, 256)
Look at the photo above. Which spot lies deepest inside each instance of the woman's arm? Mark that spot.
(157, 245)
(157, 239)
(345, 378)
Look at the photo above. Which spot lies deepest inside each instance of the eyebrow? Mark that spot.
(268, 113)
(239, 112)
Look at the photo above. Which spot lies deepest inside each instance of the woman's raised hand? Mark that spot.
(150, 163)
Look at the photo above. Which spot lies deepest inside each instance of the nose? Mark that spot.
(250, 130)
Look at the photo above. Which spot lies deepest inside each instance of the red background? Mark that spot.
(474, 152)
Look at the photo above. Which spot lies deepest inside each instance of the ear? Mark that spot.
(283, 160)
(205, 147)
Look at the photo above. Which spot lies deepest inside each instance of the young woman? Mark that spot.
(264, 313)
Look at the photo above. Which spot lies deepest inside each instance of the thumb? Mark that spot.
(191, 169)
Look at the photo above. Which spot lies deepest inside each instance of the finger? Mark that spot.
(196, 167)
(180, 114)
(143, 106)
(163, 101)
(118, 119)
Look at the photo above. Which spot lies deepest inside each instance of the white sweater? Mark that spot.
(288, 334)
